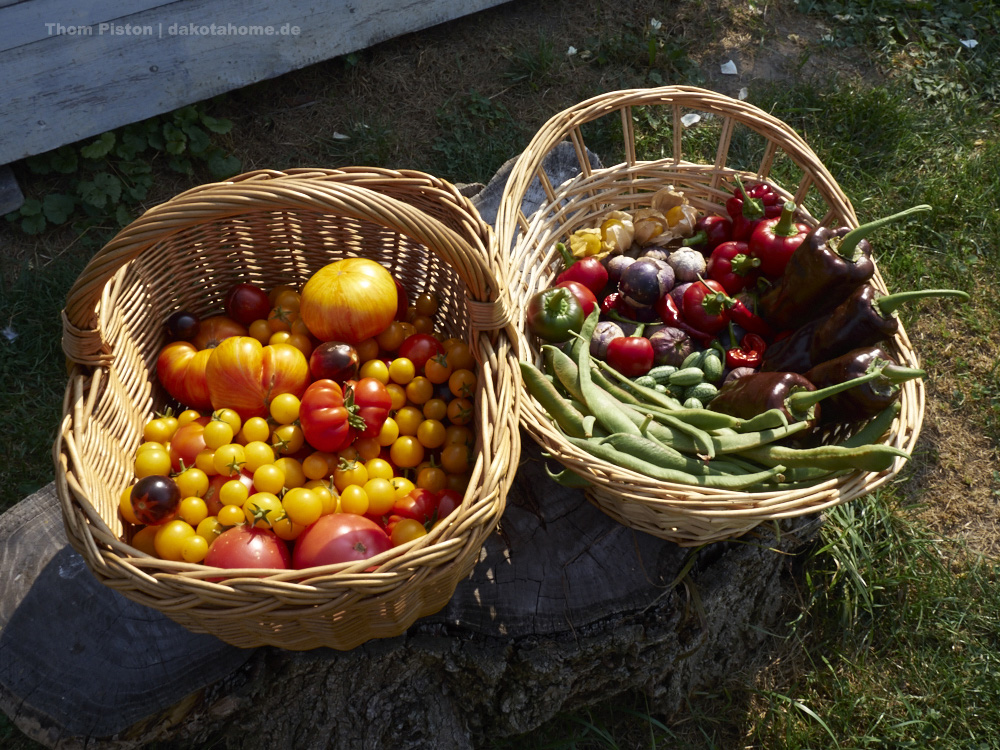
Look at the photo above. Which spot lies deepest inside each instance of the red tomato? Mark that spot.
(586, 298)
(339, 537)
(448, 501)
(181, 366)
(246, 303)
(418, 348)
(325, 418)
(248, 547)
(349, 300)
(373, 403)
(244, 376)
(420, 504)
(187, 443)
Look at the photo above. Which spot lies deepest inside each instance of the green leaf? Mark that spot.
(182, 165)
(99, 148)
(31, 207)
(110, 184)
(217, 124)
(63, 160)
(39, 164)
(33, 224)
(131, 145)
(122, 215)
(154, 135)
(198, 139)
(58, 207)
(185, 116)
(176, 140)
(222, 165)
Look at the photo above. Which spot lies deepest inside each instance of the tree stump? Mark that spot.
(566, 608)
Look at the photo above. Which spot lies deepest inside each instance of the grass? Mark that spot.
(894, 641)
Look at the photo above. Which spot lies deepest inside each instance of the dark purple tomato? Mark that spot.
(182, 325)
(156, 499)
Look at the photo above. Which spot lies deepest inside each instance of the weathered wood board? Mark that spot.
(75, 70)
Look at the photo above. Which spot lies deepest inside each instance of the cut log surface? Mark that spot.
(565, 609)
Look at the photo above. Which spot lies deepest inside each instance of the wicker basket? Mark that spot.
(726, 129)
(272, 228)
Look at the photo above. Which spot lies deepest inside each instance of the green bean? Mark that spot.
(703, 418)
(870, 457)
(875, 428)
(651, 395)
(741, 442)
(564, 369)
(601, 403)
(567, 478)
(765, 420)
(669, 457)
(716, 481)
(562, 411)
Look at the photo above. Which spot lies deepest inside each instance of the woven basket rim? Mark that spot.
(565, 208)
(357, 188)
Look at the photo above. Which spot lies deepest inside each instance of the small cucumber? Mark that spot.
(691, 360)
(687, 376)
(711, 364)
(644, 380)
(661, 373)
(704, 392)
(693, 403)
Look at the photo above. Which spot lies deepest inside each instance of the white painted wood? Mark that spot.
(61, 89)
(31, 20)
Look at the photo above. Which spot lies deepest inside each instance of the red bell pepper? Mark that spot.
(588, 271)
(710, 231)
(774, 240)
(751, 205)
(732, 266)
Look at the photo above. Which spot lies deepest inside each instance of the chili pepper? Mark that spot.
(710, 231)
(631, 355)
(864, 401)
(704, 306)
(863, 319)
(588, 271)
(750, 205)
(791, 392)
(732, 266)
(775, 240)
(743, 316)
(748, 354)
(822, 272)
(666, 308)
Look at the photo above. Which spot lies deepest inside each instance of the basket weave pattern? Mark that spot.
(686, 515)
(272, 228)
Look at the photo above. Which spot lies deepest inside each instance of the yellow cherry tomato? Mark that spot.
(354, 499)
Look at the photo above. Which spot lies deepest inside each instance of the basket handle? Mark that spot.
(82, 335)
(567, 124)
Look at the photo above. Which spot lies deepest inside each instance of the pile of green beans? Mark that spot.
(642, 429)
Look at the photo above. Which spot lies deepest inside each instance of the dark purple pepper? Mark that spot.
(756, 393)
(822, 272)
(863, 401)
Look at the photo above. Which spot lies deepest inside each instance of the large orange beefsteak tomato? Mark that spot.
(181, 365)
(243, 375)
(349, 300)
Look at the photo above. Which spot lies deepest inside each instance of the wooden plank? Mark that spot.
(62, 89)
(33, 20)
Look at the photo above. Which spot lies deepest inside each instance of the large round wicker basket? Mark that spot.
(276, 228)
(728, 138)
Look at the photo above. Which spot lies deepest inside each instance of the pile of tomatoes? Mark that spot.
(317, 425)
